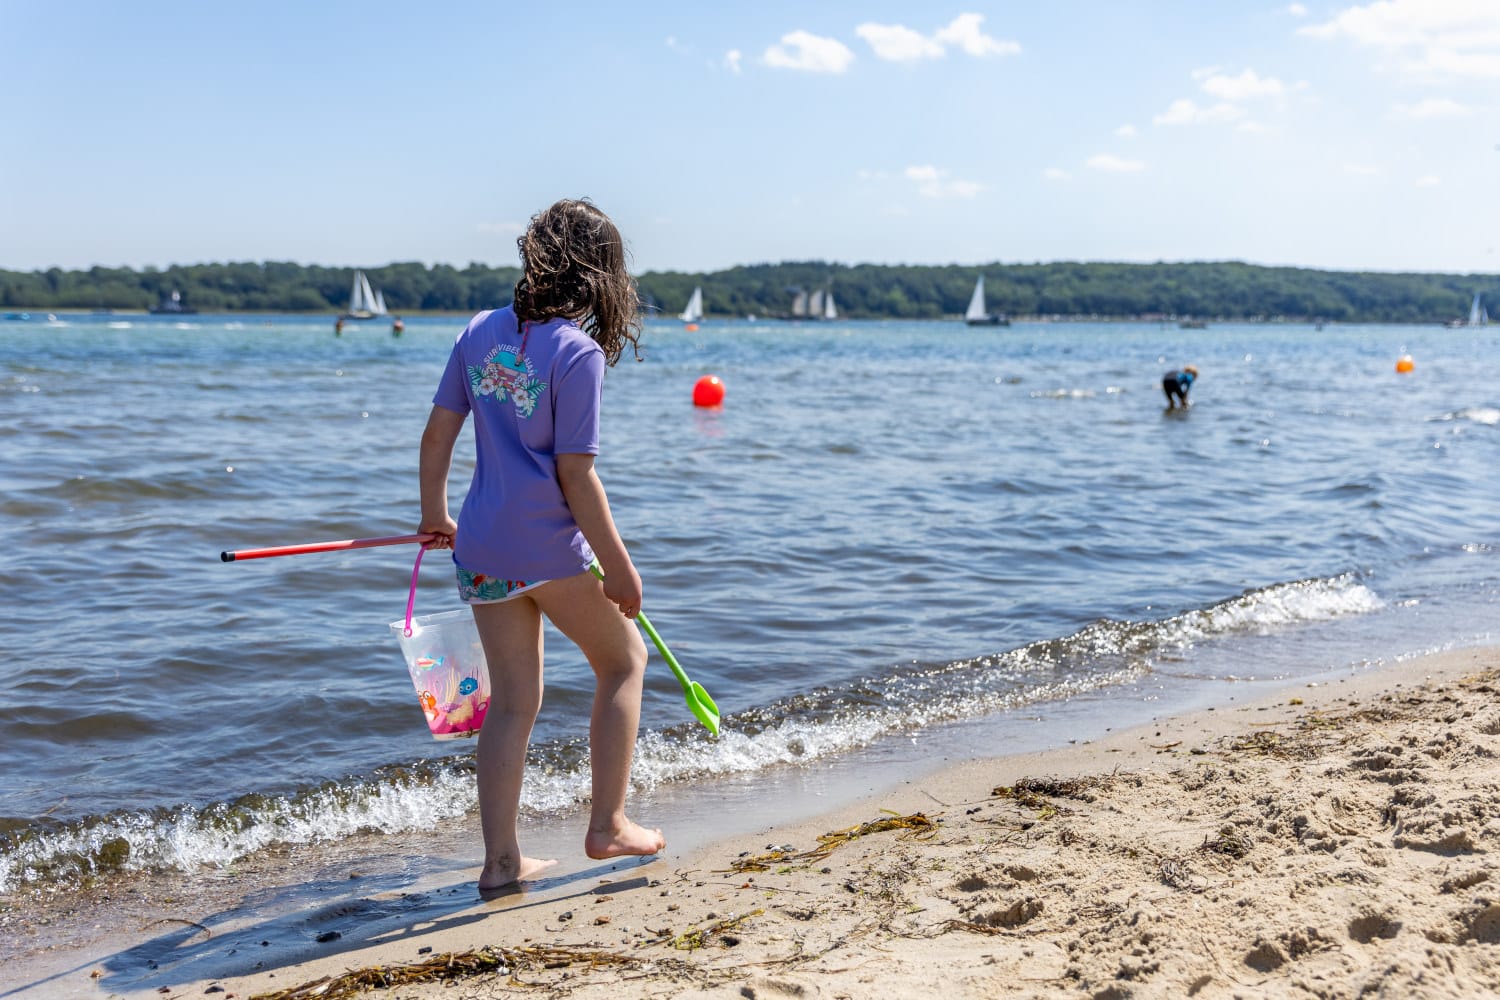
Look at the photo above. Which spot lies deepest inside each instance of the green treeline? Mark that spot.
(1220, 290)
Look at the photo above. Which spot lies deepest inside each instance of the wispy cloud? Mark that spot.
(935, 182)
(898, 43)
(1432, 107)
(1228, 92)
(1296, 10)
(1188, 112)
(1126, 131)
(732, 60)
(1110, 163)
(965, 33)
(1246, 87)
(1056, 174)
(1444, 38)
(802, 50)
(1428, 181)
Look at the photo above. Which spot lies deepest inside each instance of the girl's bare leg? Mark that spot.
(512, 636)
(579, 609)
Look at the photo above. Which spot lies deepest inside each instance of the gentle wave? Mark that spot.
(1489, 416)
(823, 722)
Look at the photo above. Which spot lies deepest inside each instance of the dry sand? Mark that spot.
(1334, 841)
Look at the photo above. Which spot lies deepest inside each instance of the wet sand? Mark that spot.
(1328, 841)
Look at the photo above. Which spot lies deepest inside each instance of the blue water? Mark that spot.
(888, 526)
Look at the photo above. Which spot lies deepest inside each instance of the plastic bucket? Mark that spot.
(446, 662)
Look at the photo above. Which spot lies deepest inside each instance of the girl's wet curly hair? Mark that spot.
(573, 265)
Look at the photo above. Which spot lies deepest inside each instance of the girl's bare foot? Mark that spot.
(629, 839)
(503, 872)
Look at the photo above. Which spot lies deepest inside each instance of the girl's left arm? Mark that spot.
(438, 439)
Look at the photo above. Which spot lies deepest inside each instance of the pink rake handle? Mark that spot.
(348, 543)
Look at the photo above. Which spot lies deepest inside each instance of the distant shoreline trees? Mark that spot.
(1210, 290)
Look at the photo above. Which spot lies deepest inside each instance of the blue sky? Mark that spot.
(1352, 136)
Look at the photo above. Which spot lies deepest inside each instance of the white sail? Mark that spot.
(694, 311)
(799, 303)
(356, 295)
(829, 310)
(368, 295)
(976, 308)
(1477, 315)
(379, 309)
(815, 304)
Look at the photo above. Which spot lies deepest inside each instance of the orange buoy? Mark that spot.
(691, 328)
(1405, 364)
(708, 391)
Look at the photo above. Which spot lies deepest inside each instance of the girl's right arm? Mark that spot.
(438, 439)
(590, 507)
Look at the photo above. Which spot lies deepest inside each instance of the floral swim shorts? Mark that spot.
(481, 588)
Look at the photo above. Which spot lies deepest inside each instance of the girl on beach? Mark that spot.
(536, 515)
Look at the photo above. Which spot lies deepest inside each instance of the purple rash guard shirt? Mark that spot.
(529, 406)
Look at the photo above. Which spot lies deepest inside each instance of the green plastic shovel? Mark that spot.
(698, 701)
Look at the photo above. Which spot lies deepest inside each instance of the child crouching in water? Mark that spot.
(536, 515)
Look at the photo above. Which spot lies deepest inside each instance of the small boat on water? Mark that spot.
(364, 302)
(817, 305)
(977, 314)
(1478, 314)
(172, 305)
(693, 314)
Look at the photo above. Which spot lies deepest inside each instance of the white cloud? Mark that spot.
(1428, 181)
(1056, 174)
(1296, 10)
(1114, 164)
(732, 60)
(1187, 112)
(964, 32)
(933, 182)
(1126, 131)
(1204, 72)
(1361, 170)
(899, 43)
(1429, 37)
(1247, 86)
(808, 52)
(1432, 107)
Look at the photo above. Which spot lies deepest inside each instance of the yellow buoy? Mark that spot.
(1405, 363)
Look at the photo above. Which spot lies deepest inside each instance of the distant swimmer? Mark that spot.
(397, 327)
(1176, 385)
(338, 327)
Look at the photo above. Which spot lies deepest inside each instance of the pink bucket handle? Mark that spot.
(411, 597)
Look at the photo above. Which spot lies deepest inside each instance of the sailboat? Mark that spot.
(364, 303)
(1478, 315)
(694, 311)
(976, 314)
(818, 305)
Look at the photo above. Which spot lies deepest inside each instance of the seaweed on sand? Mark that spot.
(913, 825)
(451, 967)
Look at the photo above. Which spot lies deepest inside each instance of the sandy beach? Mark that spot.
(1329, 841)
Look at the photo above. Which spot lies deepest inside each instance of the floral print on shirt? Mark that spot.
(507, 374)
